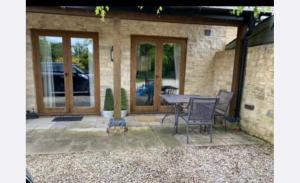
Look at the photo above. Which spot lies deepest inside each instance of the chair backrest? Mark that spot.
(202, 109)
(224, 99)
(171, 91)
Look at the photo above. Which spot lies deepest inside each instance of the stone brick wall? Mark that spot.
(231, 33)
(200, 48)
(222, 72)
(258, 88)
(259, 91)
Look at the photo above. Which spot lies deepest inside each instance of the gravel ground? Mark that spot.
(244, 163)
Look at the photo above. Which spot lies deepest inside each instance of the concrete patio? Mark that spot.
(145, 131)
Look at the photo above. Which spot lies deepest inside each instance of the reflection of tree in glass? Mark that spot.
(51, 50)
(55, 48)
(168, 61)
(146, 63)
(57, 52)
(147, 50)
(80, 54)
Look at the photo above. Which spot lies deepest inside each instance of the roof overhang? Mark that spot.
(173, 14)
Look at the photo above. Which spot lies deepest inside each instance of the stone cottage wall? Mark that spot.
(231, 34)
(200, 48)
(223, 70)
(258, 88)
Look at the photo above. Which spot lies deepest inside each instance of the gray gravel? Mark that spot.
(245, 163)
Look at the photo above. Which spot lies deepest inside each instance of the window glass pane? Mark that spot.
(52, 71)
(171, 68)
(145, 72)
(83, 72)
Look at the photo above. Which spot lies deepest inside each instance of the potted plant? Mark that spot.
(108, 110)
(123, 103)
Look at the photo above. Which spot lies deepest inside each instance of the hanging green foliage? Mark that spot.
(257, 10)
(102, 10)
(159, 9)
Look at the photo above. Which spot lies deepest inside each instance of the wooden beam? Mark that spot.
(117, 68)
(237, 67)
(196, 19)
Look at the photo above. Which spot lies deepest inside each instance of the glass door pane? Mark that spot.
(52, 71)
(83, 72)
(145, 74)
(171, 61)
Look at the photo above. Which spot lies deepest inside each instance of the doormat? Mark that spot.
(67, 118)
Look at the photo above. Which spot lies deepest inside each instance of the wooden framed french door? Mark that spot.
(157, 66)
(66, 70)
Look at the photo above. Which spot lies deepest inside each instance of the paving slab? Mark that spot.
(145, 132)
(41, 126)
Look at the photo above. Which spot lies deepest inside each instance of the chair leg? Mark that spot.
(214, 120)
(169, 112)
(207, 129)
(214, 125)
(187, 133)
(210, 131)
(225, 124)
(162, 120)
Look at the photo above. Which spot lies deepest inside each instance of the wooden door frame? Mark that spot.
(134, 43)
(158, 40)
(66, 35)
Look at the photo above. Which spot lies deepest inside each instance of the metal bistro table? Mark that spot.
(176, 101)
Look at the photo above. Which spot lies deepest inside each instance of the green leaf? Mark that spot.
(101, 10)
(159, 9)
(97, 10)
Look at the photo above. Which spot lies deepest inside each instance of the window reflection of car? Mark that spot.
(53, 74)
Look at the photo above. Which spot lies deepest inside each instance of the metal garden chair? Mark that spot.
(200, 112)
(222, 107)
